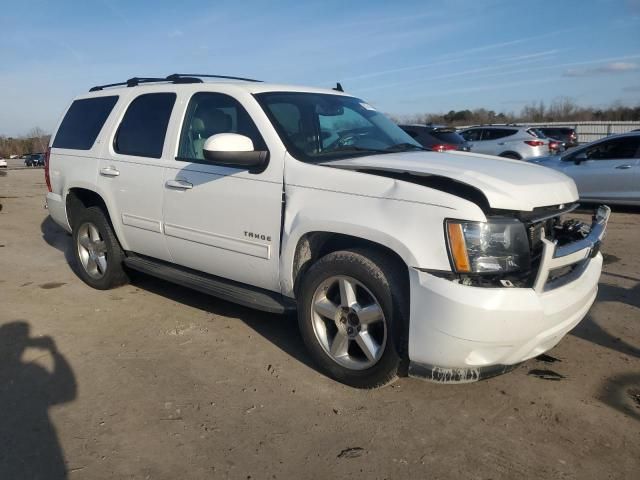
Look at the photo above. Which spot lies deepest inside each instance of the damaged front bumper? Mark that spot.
(460, 333)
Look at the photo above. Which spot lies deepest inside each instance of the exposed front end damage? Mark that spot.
(558, 248)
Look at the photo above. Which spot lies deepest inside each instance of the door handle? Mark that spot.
(626, 166)
(109, 172)
(179, 184)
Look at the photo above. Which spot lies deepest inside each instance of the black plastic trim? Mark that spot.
(254, 161)
(236, 292)
(177, 78)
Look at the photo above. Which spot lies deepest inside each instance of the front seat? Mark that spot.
(207, 122)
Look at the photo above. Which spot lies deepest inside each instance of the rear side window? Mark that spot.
(83, 122)
(144, 125)
(448, 136)
(496, 133)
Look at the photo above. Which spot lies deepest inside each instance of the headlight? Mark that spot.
(496, 246)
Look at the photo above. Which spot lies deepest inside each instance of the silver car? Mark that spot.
(606, 170)
(509, 141)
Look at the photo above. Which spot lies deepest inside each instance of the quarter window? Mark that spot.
(209, 114)
(144, 125)
(83, 122)
(496, 133)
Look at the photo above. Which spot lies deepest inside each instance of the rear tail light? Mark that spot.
(534, 143)
(47, 178)
(554, 145)
(443, 147)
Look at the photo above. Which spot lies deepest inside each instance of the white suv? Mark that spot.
(509, 141)
(449, 266)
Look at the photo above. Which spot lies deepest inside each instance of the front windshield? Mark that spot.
(317, 127)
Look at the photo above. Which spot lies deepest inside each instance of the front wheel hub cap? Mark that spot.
(348, 322)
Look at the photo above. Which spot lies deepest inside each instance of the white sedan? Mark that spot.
(3, 163)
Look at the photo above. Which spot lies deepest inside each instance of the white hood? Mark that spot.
(507, 184)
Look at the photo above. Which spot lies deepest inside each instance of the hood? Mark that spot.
(506, 184)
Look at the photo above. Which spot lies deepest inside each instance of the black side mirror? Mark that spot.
(578, 159)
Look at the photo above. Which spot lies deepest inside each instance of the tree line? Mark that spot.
(35, 141)
(559, 110)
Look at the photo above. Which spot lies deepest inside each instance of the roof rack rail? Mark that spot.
(173, 78)
(204, 75)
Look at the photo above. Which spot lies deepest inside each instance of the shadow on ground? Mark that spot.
(622, 392)
(58, 238)
(281, 330)
(29, 446)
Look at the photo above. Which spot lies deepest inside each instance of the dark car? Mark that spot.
(566, 135)
(34, 160)
(437, 138)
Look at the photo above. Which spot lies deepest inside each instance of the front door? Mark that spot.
(609, 169)
(221, 220)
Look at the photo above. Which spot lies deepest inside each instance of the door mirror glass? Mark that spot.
(234, 150)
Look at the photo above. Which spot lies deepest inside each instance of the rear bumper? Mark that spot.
(58, 210)
(462, 333)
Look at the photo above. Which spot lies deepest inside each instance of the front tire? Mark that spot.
(97, 251)
(352, 317)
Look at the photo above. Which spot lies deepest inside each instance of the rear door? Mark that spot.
(610, 170)
(131, 171)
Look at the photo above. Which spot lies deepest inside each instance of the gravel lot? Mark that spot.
(155, 381)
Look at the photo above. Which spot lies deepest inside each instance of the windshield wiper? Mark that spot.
(353, 148)
(404, 147)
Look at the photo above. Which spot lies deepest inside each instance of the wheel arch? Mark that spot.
(313, 245)
(78, 197)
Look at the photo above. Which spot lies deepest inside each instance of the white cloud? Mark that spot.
(609, 68)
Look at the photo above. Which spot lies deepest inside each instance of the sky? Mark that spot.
(403, 57)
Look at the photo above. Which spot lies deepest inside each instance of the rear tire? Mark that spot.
(96, 249)
(356, 334)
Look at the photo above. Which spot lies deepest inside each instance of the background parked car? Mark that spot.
(34, 160)
(509, 141)
(606, 170)
(566, 135)
(3, 163)
(437, 138)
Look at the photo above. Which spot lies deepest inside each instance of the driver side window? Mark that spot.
(615, 149)
(209, 114)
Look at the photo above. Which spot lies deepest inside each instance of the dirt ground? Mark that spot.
(155, 381)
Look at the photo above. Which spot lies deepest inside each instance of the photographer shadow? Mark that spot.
(29, 446)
